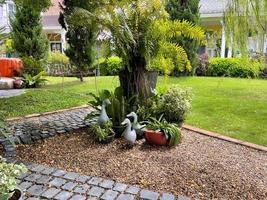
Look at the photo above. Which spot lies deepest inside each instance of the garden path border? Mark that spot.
(42, 182)
(185, 126)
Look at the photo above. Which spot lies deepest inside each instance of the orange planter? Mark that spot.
(156, 138)
(10, 67)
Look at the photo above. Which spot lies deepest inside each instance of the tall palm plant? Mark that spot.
(142, 32)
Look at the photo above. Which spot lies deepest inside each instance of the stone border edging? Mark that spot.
(45, 113)
(225, 138)
(185, 126)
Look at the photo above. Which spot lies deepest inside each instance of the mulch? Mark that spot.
(200, 166)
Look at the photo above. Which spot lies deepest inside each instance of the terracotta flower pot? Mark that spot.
(156, 138)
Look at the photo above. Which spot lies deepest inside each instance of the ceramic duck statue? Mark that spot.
(103, 118)
(129, 134)
(136, 126)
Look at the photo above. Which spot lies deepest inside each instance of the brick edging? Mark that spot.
(45, 113)
(225, 138)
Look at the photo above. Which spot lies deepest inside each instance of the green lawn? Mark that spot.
(232, 107)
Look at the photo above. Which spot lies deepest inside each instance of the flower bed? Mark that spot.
(200, 166)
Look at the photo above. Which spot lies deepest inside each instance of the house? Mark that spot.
(212, 14)
(211, 11)
(51, 26)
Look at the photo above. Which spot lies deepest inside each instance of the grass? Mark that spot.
(232, 107)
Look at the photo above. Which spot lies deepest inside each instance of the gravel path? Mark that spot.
(200, 166)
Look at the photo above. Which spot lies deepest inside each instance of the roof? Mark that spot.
(54, 9)
(212, 6)
(50, 17)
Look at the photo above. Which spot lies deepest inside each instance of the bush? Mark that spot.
(57, 58)
(234, 67)
(175, 104)
(32, 66)
(202, 65)
(110, 66)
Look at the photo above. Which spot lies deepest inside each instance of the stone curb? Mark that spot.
(45, 114)
(185, 126)
(225, 138)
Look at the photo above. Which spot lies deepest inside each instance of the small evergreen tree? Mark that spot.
(29, 41)
(81, 34)
(28, 38)
(186, 10)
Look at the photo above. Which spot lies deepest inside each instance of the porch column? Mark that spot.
(63, 39)
(223, 46)
(230, 48)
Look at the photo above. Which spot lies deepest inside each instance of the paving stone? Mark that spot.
(33, 198)
(44, 179)
(96, 191)
(120, 187)
(83, 179)
(58, 182)
(133, 190)
(32, 177)
(63, 195)
(25, 139)
(149, 195)
(48, 171)
(24, 175)
(71, 175)
(94, 181)
(92, 198)
(125, 197)
(36, 190)
(59, 173)
(109, 195)
(81, 189)
(50, 193)
(183, 198)
(69, 186)
(25, 185)
(38, 168)
(78, 197)
(108, 184)
(167, 196)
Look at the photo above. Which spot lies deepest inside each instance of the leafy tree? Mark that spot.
(81, 33)
(244, 19)
(27, 33)
(185, 10)
(141, 33)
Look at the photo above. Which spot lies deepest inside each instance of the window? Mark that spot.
(11, 9)
(55, 46)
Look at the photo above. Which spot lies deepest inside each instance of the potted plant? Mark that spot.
(117, 111)
(160, 132)
(8, 173)
(103, 134)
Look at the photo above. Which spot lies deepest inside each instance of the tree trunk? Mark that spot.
(136, 82)
(81, 76)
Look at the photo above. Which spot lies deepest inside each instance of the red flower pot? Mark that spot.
(156, 138)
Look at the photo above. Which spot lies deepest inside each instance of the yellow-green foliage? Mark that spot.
(234, 67)
(57, 58)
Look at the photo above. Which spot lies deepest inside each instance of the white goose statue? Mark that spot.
(103, 118)
(129, 134)
(136, 126)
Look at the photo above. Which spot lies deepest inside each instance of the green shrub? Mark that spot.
(175, 104)
(234, 67)
(32, 66)
(110, 66)
(57, 58)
